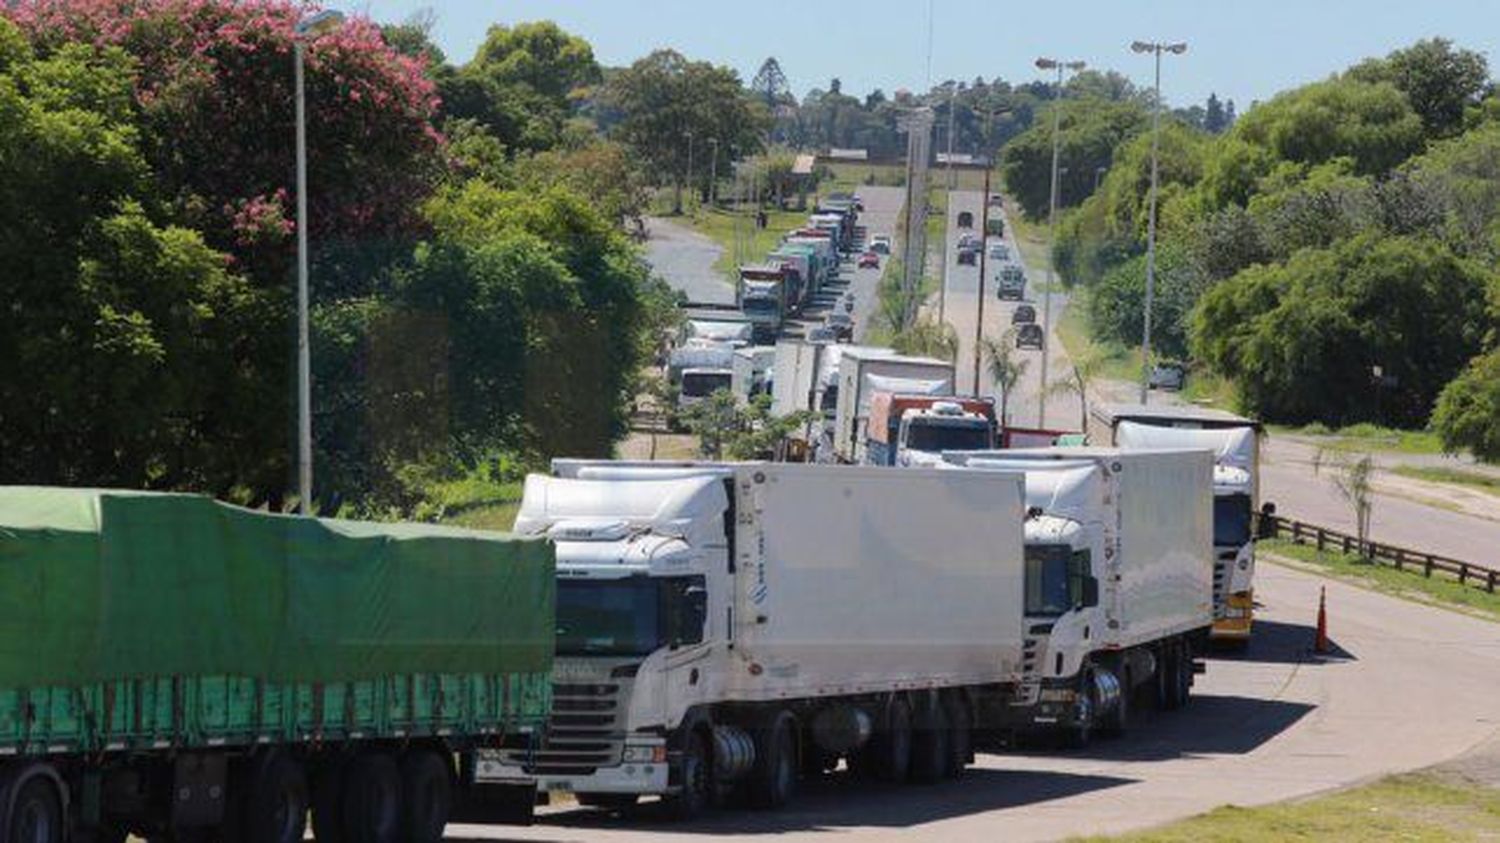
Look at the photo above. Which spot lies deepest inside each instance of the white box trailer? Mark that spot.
(863, 373)
(1119, 577)
(721, 624)
(1235, 442)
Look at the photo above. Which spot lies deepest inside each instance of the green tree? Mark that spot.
(1439, 81)
(522, 83)
(1004, 367)
(1078, 379)
(669, 104)
(1467, 415)
(1090, 131)
(1371, 123)
(1301, 339)
(1116, 305)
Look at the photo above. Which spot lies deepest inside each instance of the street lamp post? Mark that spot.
(689, 135)
(1059, 66)
(1156, 49)
(309, 28)
(713, 173)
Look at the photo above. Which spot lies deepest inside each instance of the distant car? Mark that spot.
(999, 251)
(869, 260)
(880, 244)
(968, 257)
(859, 203)
(822, 333)
(995, 200)
(1167, 376)
(965, 219)
(1024, 315)
(969, 241)
(842, 325)
(1030, 336)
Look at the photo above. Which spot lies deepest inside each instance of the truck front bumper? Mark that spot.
(645, 772)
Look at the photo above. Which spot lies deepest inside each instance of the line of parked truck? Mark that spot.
(180, 669)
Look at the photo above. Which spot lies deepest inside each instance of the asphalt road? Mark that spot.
(1408, 686)
(960, 308)
(686, 259)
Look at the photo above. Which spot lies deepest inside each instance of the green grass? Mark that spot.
(1369, 437)
(1030, 238)
(719, 224)
(1410, 807)
(848, 177)
(1440, 590)
(1488, 483)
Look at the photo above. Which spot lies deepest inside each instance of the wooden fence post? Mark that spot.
(1400, 557)
(1490, 585)
(1427, 567)
(1463, 573)
(1321, 537)
(1345, 543)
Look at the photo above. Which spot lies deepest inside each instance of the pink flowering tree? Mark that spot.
(214, 91)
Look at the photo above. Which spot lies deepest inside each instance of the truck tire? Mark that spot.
(888, 754)
(1081, 733)
(1117, 720)
(961, 735)
(931, 752)
(372, 800)
(328, 800)
(773, 778)
(426, 796)
(36, 814)
(696, 779)
(276, 801)
(1184, 676)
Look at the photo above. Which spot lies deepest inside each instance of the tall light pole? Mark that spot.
(1155, 48)
(309, 28)
(1059, 66)
(713, 173)
(689, 136)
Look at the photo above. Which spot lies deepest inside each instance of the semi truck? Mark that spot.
(724, 629)
(176, 668)
(752, 372)
(764, 297)
(1235, 442)
(916, 429)
(1119, 592)
(861, 374)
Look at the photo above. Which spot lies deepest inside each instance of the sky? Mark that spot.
(1245, 50)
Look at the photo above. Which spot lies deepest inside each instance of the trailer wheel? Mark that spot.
(931, 751)
(696, 780)
(888, 754)
(36, 814)
(426, 796)
(1184, 676)
(372, 800)
(328, 800)
(276, 804)
(773, 778)
(960, 735)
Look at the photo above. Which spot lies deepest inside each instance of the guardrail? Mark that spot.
(1467, 573)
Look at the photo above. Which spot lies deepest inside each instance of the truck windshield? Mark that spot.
(1054, 579)
(1231, 520)
(759, 305)
(947, 437)
(699, 384)
(634, 616)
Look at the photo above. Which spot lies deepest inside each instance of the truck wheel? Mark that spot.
(328, 800)
(696, 780)
(276, 804)
(36, 814)
(888, 754)
(960, 736)
(1117, 720)
(1081, 733)
(773, 778)
(426, 796)
(372, 800)
(931, 752)
(1184, 676)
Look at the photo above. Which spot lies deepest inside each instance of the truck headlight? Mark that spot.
(645, 754)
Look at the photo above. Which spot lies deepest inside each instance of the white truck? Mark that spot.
(731, 627)
(864, 372)
(752, 372)
(1119, 591)
(1235, 443)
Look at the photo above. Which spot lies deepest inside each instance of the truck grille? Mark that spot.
(585, 732)
(1222, 563)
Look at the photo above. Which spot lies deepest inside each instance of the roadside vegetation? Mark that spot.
(1410, 807)
(1487, 483)
(1410, 584)
(1366, 437)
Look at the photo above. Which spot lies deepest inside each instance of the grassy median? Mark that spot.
(1412, 807)
(1409, 583)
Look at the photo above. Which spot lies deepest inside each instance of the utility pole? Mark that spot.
(952, 105)
(691, 189)
(984, 225)
(713, 173)
(1155, 48)
(1059, 66)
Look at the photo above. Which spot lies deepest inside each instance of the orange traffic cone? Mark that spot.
(1320, 644)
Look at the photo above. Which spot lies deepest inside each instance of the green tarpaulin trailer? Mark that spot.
(149, 638)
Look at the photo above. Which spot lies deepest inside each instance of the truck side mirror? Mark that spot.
(1090, 591)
